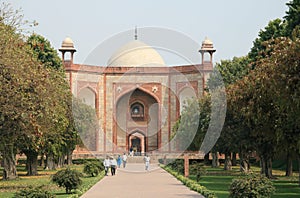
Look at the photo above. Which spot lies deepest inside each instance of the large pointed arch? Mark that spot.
(148, 124)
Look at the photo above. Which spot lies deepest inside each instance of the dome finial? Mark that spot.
(135, 33)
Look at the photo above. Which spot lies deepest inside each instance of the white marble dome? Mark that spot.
(136, 54)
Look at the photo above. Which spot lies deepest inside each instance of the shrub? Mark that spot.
(254, 186)
(84, 161)
(32, 192)
(198, 170)
(93, 168)
(67, 178)
(177, 165)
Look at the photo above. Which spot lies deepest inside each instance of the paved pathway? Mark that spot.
(135, 182)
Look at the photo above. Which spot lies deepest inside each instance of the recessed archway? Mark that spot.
(137, 111)
(185, 95)
(88, 96)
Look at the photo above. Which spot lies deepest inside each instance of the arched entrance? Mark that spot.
(137, 122)
(136, 141)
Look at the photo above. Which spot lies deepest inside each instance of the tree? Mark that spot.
(292, 16)
(226, 73)
(275, 28)
(58, 138)
(229, 71)
(20, 74)
(44, 52)
(34, 98)
(190, 129)
(283, 67)
(86, 123)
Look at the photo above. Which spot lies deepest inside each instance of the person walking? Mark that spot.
(124, 159)
(106, 164)
(131, 151)
(113, 166)
(147, 162)
(119, 161)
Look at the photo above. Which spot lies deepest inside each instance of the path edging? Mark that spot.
(191, 184)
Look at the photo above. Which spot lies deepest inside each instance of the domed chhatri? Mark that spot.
(207, 45)
(136, 54)
(67, 45)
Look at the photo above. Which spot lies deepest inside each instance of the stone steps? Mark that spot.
(140, 159)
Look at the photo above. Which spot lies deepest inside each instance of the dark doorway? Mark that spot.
(136, 144)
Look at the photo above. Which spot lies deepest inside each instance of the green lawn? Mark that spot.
(218, 180)
(217, 184)
(8, 188)
(287, 187)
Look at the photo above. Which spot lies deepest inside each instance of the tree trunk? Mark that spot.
(299, 167)
(206, 159)
(32, 163)
(215, 160)
(50, 165)
(234, 162)
(42, 162)
(266, 166)
(244, 163)
(9, 163)
(227, 164)
(69, 157)
(262, 166)
(289, 165)
(269, 173)
(61, 161)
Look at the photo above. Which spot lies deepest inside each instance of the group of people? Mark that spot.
(112, 164)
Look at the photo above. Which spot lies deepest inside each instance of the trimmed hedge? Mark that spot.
(93, 168)
(193, 185)
(30, 191)
(84, 161)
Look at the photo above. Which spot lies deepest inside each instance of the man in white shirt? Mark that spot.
(147, 162)
(124, 158)
(113, 166)
(106, 164)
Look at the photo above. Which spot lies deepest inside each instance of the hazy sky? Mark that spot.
(232, 24)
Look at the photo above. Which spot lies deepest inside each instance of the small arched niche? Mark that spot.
(185, 95)
(88, 97)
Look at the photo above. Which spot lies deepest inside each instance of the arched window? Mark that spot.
(137, 110)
